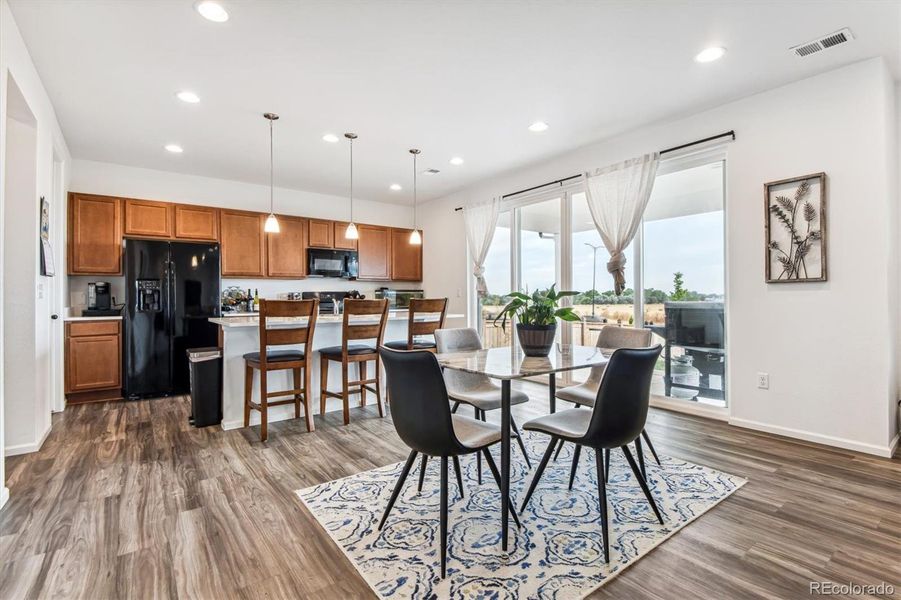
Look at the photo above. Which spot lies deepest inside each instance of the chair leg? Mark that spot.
(522, 446)
(443, 516)
(455, 407)
(647, 440)
(559, 448)
(640, 454)
(425, 460)
(398, 486)
(497, 479)
(541, 466)
(602, 498)
(264, 406)
(378, 387)
(323, 384)
(296, 372)
(361, 371)
(307, 403)
(248, 393)
(479, 417)
(607, 464)
(345, 393)
(459, 476)
(642, 483)
(572, 470)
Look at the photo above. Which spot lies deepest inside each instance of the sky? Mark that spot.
(691, 244)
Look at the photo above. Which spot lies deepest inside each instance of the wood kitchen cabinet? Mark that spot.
(287, 249)
(341, 242)
(242, 243)
(374, 252)
(196, 222)
(321, 234)
(93, 356)
(406, 258)
(148, 219)
(95, 235)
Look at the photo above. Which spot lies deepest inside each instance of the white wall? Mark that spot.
(830, 348)
(16, 63)
(131, 182)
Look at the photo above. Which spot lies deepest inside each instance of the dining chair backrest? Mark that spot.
(286, 336)
(419, 403)
(371, 326)
(465, 339)
(614, 337)
(426, 316)
(621, 406)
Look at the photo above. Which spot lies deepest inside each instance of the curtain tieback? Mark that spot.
(616, 266)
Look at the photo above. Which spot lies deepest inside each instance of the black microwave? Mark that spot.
(332, 263)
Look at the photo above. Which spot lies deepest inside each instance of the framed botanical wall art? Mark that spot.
(796, 229)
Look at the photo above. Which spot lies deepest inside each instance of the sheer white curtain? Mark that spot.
(617, 196)
(480, 219)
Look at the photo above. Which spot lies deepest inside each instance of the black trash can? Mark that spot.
(206, 386)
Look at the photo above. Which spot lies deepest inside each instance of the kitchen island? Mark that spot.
(241, 334)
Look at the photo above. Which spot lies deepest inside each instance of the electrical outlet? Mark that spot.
(763, 381)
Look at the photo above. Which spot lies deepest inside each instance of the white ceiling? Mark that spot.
(449, 77)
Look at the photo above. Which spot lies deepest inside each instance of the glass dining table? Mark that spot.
(509, 363)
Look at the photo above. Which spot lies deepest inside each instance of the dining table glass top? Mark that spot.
(509, 362)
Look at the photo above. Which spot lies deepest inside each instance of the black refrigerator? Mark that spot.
(172, 289)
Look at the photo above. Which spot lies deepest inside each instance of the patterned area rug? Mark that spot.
(558, 552)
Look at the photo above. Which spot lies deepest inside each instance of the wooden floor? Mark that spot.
(127, 500)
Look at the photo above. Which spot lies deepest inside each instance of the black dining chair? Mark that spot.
(421, 413)
(616, 420)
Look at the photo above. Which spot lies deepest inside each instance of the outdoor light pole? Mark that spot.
(594, 273)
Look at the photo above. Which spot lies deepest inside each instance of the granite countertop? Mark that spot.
(253, 319)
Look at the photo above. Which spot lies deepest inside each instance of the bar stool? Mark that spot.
(267, 360)
(354, 329)
(418, 326)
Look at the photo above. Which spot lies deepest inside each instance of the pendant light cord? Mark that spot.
(271, 178)
(351, 180)
(414, 192)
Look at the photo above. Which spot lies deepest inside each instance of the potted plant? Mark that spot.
(536, 317)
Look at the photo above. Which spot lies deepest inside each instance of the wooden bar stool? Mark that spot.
(267, 360)
(354, 329)
(418, 326)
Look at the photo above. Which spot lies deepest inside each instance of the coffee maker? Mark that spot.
(99, 300)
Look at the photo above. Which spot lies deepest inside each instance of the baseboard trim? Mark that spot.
(827, 440)
(690, 408)
(286, 412)
(893, 447)
(4, 496)
(26, 448)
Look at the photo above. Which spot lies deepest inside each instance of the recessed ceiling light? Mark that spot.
(710, 54)
(189, 97)
(395, 187)
(212, 11)
(456, 161)
(331, 138)
(174, 148)
(538, 127)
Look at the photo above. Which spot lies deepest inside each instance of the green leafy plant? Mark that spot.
(541, 308)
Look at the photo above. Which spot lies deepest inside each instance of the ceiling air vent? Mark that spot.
(836, 38)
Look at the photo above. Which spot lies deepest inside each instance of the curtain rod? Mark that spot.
(730, 133)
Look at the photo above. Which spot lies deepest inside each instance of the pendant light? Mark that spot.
(351, 231)
(415, 237)
(271, 225)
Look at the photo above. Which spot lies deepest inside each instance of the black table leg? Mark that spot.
(552, 390)
(505, 459)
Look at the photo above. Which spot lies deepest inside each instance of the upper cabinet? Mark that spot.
(342, 242)
(321, 234)
(196, 222)
(147, 218)
(288, 249)
(95, 235)
(242, 243)
(406, 258)
(374, 252)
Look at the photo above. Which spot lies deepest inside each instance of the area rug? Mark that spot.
(558, 551)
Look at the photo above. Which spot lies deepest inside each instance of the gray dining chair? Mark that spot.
(584, 394)
(474, 389)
